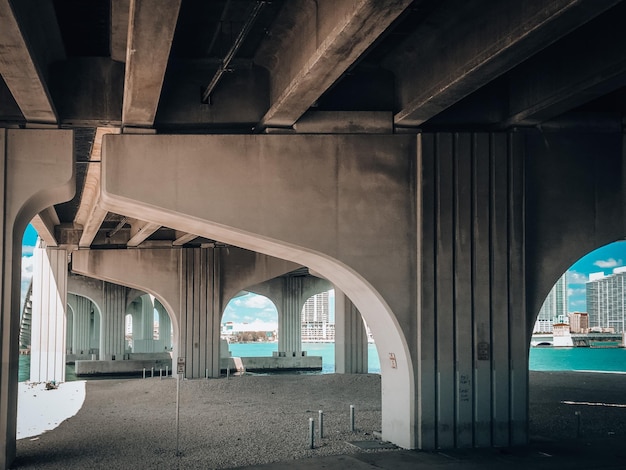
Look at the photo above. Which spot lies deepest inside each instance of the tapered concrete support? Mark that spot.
(81, 333)
(113, 322)
(47, 357)
(165, 327)
(37, 172)
(350, 337)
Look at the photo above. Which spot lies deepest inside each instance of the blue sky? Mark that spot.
(604, 260)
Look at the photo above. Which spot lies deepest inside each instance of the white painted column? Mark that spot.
(144, 342)
(80, 330)
(290, 318)
(113, 325)
(350, 337)
(47, 361)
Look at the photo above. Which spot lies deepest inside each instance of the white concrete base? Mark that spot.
(275, 363)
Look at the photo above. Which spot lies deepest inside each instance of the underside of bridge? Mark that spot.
(440, 162)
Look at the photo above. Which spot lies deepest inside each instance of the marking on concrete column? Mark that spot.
(394, 362)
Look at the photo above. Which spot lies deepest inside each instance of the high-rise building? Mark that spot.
(579, 322)
(606, 300)
(554, 308)
(315, 319)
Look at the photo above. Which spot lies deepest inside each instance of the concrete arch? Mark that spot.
(38, 173)
(252, 183)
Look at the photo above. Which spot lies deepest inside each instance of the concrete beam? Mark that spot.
(21, 72)
(460, 53)
(90, 215)
(182, 238)
(151, 30)
(140, 232)
(583, 66)
(120, 11)
(44, 224)
(315, 44)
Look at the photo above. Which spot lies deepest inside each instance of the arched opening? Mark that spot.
(577, 357)
(250, 326)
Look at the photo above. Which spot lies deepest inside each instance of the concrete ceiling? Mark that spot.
(297, 66)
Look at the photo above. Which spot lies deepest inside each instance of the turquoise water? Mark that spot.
(588, 359)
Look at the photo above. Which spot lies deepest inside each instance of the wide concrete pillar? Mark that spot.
(200, 312)
(81, 330)
(113, 323)
(143, 326)
(472, 371)
(37, 172)
(350, 337)
(48, 337)
(289, 317)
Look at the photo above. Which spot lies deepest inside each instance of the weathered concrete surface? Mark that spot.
(88, 368)
(37, 172)
(273, 363)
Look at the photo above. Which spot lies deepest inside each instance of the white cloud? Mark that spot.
(608, 263)
(580, 291)
(574, 277)
(253, 301)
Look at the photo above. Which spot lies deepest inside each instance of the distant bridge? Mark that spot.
(579, 339)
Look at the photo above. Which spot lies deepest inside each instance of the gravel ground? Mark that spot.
(261, 419)
(223, 423)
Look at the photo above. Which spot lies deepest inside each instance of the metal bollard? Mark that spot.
(167, 371)
(321, 423)
(152, 372)
(160, 374)
(144, 372)
(352, 418)
(206, 374)
(311, 433)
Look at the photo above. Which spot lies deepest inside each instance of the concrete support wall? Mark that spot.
(81, 333)
(143, 327)
(165, 327)
(350, 337)
(289, 317)
(113, 322)
(200, 309)
(473, 349)
(36, 172)
(47, 357)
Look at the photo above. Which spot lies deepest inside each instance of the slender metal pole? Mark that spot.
(311, 433)
(321, 424)
(144, 372)
(152, 371)
(160, 374)
(352, 418)
(167, 371)
(178, 378)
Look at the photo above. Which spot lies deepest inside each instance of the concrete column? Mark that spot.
(47, 360)
(113, 325)
(81, 330)
(289, 317)
(165, 327)
(350, 337)
(95, 323)
(144, 341)
(69, 327)
(200, 311)
(37, 172)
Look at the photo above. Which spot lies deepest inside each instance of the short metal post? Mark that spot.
(144, 372)
(352, 418)
(227, 372)
(321, 423)
(152, 372)
(167, 371)
(160, 374)
(311, 433)
(206, 374)
(577, 414)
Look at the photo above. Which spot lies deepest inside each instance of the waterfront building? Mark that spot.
(579, 322)
(315, 316)
(554, 308)
(606, 301)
